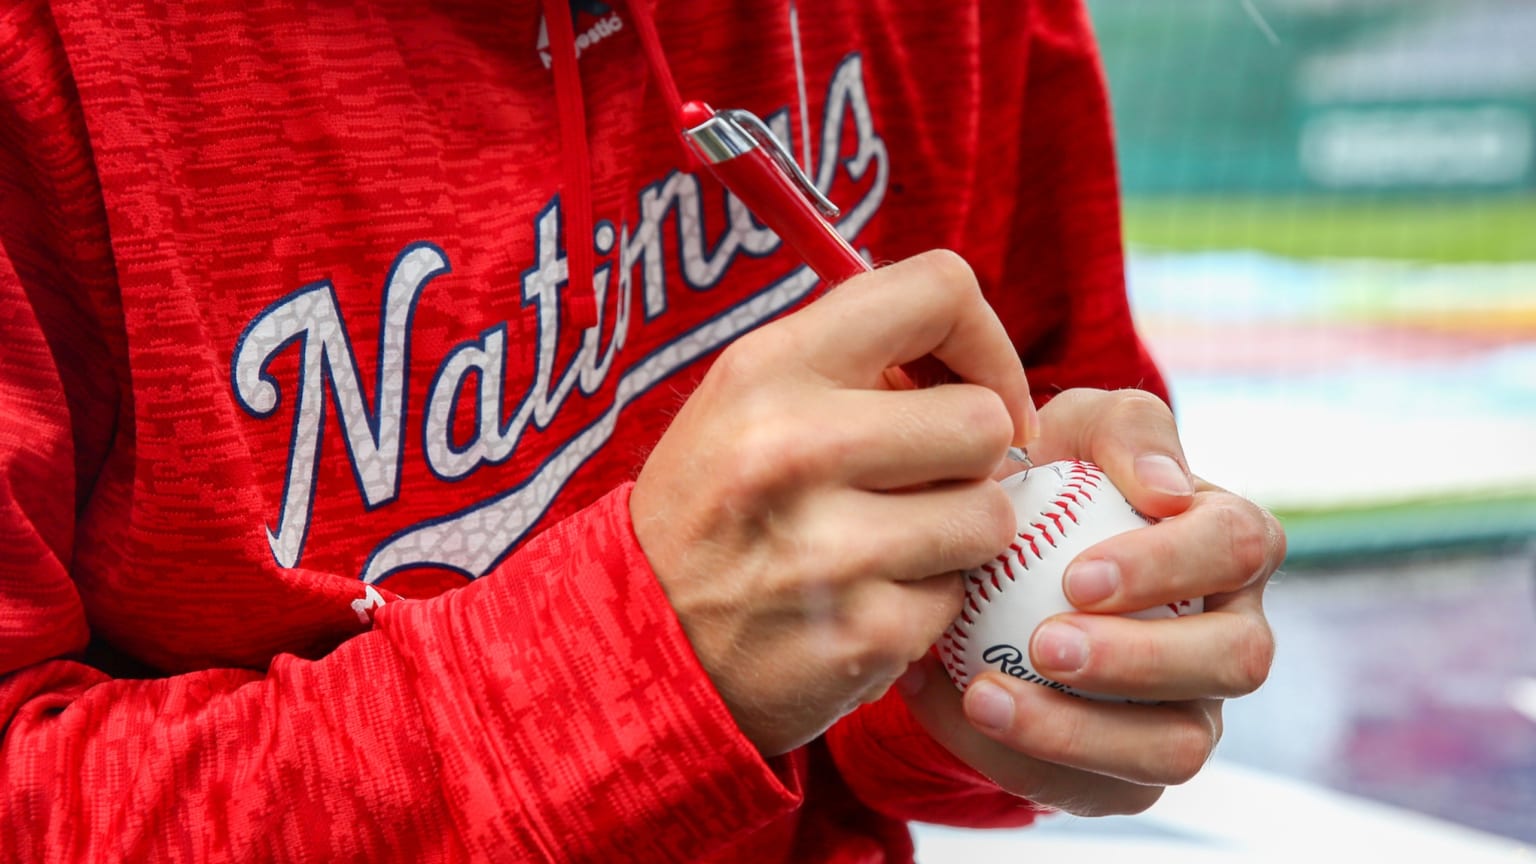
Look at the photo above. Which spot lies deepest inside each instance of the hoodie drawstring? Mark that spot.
(575, 150)
(575, 158)
(645, 26)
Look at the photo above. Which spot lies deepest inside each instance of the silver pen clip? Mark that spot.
(733, 131)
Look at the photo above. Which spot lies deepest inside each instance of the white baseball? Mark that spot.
(1061, 509)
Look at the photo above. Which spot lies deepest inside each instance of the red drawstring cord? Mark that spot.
(576, 192)
(645, 27)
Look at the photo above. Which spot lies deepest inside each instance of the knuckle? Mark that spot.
(882, 636)
(1276, 542)
(861, 558)
(951, 601)
(1070, 741)
(1140, 403)
(973, 534)
(1135, 409)
(1146, 576)
(756, 353)
(1248, 539)
(986, 419)
(769, 456)
(1188, 750)
(1253, 654)
(1115, 414)
(951, 272)
(1142, 658)
(997, 518)
(1077, 398)
(741, 360)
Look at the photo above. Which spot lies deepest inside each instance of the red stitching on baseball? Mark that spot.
(1016, 557)
(1033, 547)
(1077, 488)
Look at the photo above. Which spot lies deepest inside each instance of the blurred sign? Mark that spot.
(1337, 96)
(1417, 146)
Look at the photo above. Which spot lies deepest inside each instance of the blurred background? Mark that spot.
(1330, 208)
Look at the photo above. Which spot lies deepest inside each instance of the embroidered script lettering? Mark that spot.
(474, 538)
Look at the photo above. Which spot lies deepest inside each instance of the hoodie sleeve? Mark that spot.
(897, 769)
(559, 718)
(551, 711)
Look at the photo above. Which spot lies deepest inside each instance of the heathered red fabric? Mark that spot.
(315, 518)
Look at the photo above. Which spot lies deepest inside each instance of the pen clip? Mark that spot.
(734, 131)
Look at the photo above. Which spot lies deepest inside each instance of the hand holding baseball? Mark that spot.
(797, 509)
(1095, 757)
(1061, 509)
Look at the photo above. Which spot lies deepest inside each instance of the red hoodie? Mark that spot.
(287, 339)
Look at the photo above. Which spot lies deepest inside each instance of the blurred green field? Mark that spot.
(1330, 534)
(1436, 230)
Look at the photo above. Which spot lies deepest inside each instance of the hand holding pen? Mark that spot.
(806, 519)
(749, 160)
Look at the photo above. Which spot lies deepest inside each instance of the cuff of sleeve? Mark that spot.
(898, 769)
(596, 733)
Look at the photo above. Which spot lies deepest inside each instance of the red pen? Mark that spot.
(746, 157)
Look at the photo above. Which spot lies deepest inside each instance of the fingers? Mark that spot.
(893, 440)
(904, 536)
(928, 304)
(1222, 549)
(1055, 758)
(889, 625)
(1131, 435)
(864, 439)
(1142, 744)
(1095, 757)
(796, 491)
(1224, 653)
(1212, 544)
(1221, 544)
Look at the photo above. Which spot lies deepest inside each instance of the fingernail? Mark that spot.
(1060, 647)
(989, 706)
(1031, 423)
(1088, 582)
(911, 681)
(1161, 474)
